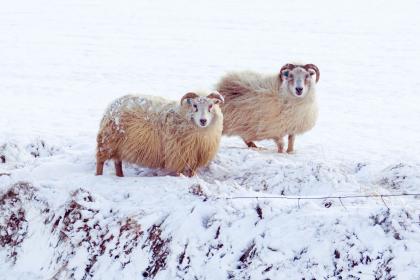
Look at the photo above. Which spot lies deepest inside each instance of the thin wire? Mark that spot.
(322, 197)
(298, 198)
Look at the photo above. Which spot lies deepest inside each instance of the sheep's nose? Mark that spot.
(203, 121)
(299, 90)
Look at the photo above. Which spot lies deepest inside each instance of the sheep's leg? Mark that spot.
(100, 161)
(118, 168)
(99, 167)
(291, 143)
(280, 144)
(250, 144)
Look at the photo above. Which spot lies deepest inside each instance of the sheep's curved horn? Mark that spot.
(315, 68)
(216, 95)
(287, 66)
(189, 95)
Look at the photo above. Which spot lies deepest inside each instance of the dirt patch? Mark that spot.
(159, 247)
(13, 222)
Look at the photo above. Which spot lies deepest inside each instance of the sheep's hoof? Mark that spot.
(290, 151)
(251, 144)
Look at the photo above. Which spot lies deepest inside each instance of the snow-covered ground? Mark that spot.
(62, 62)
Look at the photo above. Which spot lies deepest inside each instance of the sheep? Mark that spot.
(158, 133)
(259, 107)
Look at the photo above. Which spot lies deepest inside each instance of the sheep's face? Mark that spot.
(201, 110)
(298, 81)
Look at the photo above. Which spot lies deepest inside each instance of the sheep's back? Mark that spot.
(237, 85)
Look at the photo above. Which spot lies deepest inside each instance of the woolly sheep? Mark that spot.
(259, 107)
(158, 133)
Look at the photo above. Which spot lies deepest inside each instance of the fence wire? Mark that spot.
(339, 197)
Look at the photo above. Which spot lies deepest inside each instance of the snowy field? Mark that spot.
(63, 62)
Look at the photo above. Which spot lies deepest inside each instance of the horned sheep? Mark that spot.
(259, 107)
(158, 133)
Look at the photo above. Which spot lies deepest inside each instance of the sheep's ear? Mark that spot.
(285, 71)
(284, 74)
(187, 101)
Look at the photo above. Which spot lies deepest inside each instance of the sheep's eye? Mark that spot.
(290, 76)
(211, 106)
(307, 76)
(195, 108)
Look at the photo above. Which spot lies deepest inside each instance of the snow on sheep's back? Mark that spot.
(62, 62)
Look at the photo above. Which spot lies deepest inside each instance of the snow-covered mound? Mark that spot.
(252, 213)
(70, 224)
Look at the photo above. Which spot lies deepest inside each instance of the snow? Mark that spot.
(63, 62)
